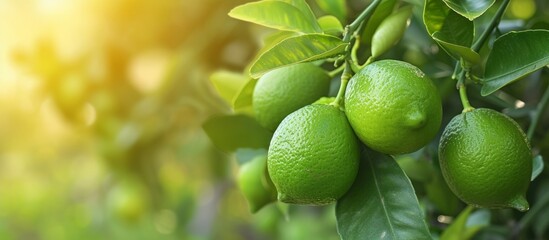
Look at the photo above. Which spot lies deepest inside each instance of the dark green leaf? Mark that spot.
(453, 32)
(537, 167)
(236, 131)
(416, 170)
(275, 14)
(244, 155)
(390, 31)
(513, 56)
(338, 8)
(298, 49)
(384, 9)
(228, 84)
(330, 25)
(381, 204)
(470, 9)
(456, 51)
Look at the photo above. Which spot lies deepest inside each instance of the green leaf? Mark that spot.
(338, 8)
(453, 32)
(384, 9)
(298, 49)
(228, 84)
(513, 56)
(381, 204)
(470, 9)
(269, 42)
(456, 230)
(230, 132)
(456, 51)
(244, 155)
(390, 31)
(244, 97)
(476, 222)
(330, 25)
(441, 196)
(466, 224)
(305, 9)
(416, 170)
(275, 14)
(537, 167)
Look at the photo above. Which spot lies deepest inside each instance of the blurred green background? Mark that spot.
(102, 104)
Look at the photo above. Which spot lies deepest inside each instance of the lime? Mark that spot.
(313, 156)
(393, 107)
(255, 183)
(284, 90)
(486, 160)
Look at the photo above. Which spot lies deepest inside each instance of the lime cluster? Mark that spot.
(313, 158)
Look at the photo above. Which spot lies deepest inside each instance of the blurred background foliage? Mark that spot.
(102, 105)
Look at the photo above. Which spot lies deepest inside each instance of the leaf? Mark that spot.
(384, 9)
(269, 42)
(456, 230)
(228, 84)
(381, 204)
(441, 196)
(275, 14)
(390, 31)
(230, 132)
(513, 56)
(537, 167)
(457, 51)
(298, 49)
(476, 222)
(305, 9)
(451, 31)
(244, 98)
(330, 25)
(337, 8)
(416, 170)
(244, 155)
(470, 9)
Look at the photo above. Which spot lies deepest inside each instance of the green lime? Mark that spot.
(284, 90)
(255, 183)
(393, 107)
(486, 160)
(313, 156)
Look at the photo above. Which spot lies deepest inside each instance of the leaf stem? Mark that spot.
(493, 23)
(345, 76)
(336, 71)
(542, 106)
(367, 13)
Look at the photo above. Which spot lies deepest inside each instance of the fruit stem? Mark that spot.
(345, 76)
(464, 100)
(336, 71)
(542, 106)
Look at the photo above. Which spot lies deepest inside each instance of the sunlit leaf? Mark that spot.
(244, 98)
(330, 25)
(337, 8)
(302, 48)
(381, 204)
(275, 14)
(305, 9)
(390, 31)
(537, 167)
(470, 9)
(513, 56)
(228, 84)
(384, 9)
(231, 132)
